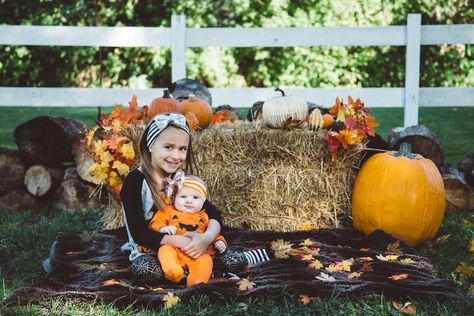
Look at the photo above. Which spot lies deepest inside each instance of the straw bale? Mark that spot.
(273, 179)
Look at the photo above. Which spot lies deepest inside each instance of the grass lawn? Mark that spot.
(25, 238)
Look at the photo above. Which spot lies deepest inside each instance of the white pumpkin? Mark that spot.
(315, 120)
(281, 110)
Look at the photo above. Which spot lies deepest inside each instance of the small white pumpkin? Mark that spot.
(315, 120)
(279, 111)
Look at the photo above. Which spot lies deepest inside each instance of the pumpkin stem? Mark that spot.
(167, 94)
(192, 98)
(405, 151)
(282, 92)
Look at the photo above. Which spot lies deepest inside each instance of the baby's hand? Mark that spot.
(220, 246)
(170, 230)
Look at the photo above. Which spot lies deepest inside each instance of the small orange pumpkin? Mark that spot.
(400, 192)
(164, 104)
(328, 119)
(200, 108)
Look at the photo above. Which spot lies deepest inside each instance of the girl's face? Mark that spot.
(168, 152)
(188, 201)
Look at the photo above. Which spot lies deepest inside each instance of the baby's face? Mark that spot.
(188, 201)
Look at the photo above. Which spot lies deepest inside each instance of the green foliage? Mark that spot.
(445, 65)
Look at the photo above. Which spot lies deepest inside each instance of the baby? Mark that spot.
(186, 215)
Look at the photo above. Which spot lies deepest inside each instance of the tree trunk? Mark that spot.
(422, 139)
(12, 170)
(458, 193)
(40, 180)
(83, 160)
(73, 194)
(19, 200)
(466, 166)
(47, 140)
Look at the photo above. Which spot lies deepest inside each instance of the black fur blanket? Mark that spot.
(93, 267)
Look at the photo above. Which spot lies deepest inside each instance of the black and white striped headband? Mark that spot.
(162, 121)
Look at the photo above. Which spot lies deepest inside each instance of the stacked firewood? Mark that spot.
(49, 168)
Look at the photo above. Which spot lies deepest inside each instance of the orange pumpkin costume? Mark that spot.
(173, 260)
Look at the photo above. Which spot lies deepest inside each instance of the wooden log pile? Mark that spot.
(49, 168)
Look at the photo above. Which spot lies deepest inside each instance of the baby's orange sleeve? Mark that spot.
(160, 219)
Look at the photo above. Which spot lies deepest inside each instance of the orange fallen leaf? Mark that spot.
(307, 243)
(397, 277)
(365, 259)
(316, 264)
(246, 285)
(354, 275)
(364, 249)
(110, 282)
(306, 227)
(407, 308)
(305, 299)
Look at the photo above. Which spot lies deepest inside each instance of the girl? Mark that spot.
(165, 147)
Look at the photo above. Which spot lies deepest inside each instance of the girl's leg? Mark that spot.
(170, 263)
(235, 260)
(200, 270)
(146, 269)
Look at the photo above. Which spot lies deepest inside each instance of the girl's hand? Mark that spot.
(177, 241)
(199, 243)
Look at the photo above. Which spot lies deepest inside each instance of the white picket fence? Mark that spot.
(179, 38)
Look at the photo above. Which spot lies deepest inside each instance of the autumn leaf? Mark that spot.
(281, 248)
(305, 299)
(397, 277)
(245, 285)
(106, 157)
(364, 249)
(307, 243)
(110, 282)
(354, 275)
(334, 268)
(326, 278)
(157, 289)
(367, 266)
(465, 271)
(387, 257)
(308, 257)
(127, 151)
(407, 261)
(346, 264)
(306, 227)
(365, 259)
(315, 264)
(170, 300)
(407, 308)
(395, 248)
(440, 240)
(122, 168)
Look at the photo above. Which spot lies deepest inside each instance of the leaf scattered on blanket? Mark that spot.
(245, 285)
(315, 264)
(326, 277)
(387, 257)
(397, 277)
(354, 275)
(307, 243)
(395, 248)
(407, 261)
(305, 299)
(281, 248)
(170, 300)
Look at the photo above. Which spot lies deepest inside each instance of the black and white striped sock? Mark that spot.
(256, 256)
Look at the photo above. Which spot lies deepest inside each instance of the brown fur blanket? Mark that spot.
(90, 267)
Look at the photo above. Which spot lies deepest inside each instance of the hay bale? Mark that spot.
(268, 179)
(264, 178)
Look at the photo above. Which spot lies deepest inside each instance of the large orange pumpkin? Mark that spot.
(164, 104)
(401, 193)
(200, 108)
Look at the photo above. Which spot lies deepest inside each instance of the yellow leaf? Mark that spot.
(346, 264)
(114, 180)
(307, 243)
(105, 158)
(407, 308)
(90, 135)
(122, 168)
(110, 282)
(305, 299)
(97, 172)
(308, 257)
(127, 150)
(306, 227)
(407, 261)
(246, 285)
(116, 126)
(395, 248)
(387, 258)
(397, 277)
(170, 300)
(464, 270)
(315, 264)
(334, 268)
(354, 275)
(99, 148)
(364, 249)
(281, 248)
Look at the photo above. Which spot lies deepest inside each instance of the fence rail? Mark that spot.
(178, 38)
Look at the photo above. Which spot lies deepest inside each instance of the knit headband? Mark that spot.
(160, 122)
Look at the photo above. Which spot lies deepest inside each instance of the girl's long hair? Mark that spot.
(147, 167)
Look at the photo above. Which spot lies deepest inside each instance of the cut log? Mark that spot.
(466, 166)
(12, 170)
(422, 139)
(19, 200)
(39, 180)
(47, 140)
(374, 146)
(458, 193)
(255, 112)
(73, 194)
(182, 88)
(83, 160)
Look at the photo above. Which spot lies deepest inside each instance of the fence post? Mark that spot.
(412, 70)
(178, 47)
